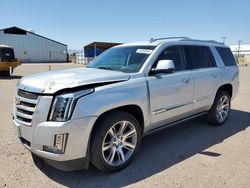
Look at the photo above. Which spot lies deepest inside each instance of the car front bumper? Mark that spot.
(76, 149)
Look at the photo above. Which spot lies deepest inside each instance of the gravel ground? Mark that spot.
(191, 155)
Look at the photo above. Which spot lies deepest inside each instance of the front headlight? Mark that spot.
(64, 105)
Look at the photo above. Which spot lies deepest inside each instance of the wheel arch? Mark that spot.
(226, 87)
(134, 110)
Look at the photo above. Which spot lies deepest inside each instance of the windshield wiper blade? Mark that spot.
(105, 68)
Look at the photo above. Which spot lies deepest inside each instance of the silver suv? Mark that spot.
(99, 113)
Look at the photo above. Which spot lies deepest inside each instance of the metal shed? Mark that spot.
(96, 48)
(31, 47)
(92, 50)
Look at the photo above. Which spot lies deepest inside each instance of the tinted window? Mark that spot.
(226, 56)
(172, 53)
(7, 54)
(199, 57)
(211, 57)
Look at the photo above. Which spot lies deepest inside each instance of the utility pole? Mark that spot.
(238, 50)
(239, 47)
(224, 39)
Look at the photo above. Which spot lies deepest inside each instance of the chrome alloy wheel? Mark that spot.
(222, 108)
(119, 143)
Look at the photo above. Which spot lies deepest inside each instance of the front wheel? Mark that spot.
(115, 141)
(220, 110)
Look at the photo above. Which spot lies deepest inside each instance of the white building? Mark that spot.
(244, 49)
(243, 54)
(31, 47)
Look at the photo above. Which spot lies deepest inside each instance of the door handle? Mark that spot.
(186, 81)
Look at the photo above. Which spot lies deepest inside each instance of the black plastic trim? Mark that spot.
(174, 123)
(71, 165)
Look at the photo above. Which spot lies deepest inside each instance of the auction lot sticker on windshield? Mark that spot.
(144, 51)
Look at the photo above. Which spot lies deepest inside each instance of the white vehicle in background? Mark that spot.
(99, 114)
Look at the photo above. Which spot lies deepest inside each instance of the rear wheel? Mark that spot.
(115, 141)
(220, 110)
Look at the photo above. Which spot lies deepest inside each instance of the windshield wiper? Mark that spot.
(105, 68)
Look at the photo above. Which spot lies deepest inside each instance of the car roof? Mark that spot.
(4, 46)
(175, 40)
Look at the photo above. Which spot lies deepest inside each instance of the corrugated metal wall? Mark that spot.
(33, 48)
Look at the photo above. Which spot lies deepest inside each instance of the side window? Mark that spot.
(199, 57)
(211, 58)
(226, 56)
(172, 53)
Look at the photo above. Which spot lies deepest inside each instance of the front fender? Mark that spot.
(105, 98)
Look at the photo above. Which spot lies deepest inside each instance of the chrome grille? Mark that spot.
(27, 95)
(25, 105)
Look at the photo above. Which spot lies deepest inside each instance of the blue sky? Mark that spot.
(79, 22)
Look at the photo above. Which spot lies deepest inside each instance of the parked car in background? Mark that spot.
(99, 114)
(7, 60)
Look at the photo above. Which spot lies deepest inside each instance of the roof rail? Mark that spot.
(185, 39)
(207, 41)
(153, 40)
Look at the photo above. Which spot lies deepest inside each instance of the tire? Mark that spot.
(220, 110)
(122, 146)
(5, 73)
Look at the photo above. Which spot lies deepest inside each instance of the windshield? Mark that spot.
(7, 54)
(124, 59)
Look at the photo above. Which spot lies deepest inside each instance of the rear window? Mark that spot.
(226, 56)
(199, 57)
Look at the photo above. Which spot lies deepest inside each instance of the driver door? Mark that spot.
(171, 95)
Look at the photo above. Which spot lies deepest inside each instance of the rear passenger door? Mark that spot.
(205, 74)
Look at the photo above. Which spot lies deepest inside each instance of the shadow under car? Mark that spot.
(158, 152)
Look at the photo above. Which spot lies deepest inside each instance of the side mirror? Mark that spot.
(164, 66)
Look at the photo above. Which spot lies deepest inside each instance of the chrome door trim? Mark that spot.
(201, 98)
(161, 110)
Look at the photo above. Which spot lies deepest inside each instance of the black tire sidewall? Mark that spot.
(99, 134)
(212, 113)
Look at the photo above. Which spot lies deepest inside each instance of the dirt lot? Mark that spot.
(193, 154)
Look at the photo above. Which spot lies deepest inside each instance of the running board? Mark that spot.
(174, 123)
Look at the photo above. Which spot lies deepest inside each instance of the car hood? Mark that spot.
(53, 81)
